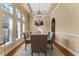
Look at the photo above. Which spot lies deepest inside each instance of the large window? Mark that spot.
(7, 28)
(7, 7)
(18, 29)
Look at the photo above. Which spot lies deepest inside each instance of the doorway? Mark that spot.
(53, 28)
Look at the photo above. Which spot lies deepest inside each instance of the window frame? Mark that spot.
(7, 7)
(10, 26)
(18, 30)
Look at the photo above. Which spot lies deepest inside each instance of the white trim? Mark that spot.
(55, 8)
(73, 52)
(8, 43)
(68, 34)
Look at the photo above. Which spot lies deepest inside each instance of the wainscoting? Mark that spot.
(68, 41)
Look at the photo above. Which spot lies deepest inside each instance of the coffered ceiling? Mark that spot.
(44, 8)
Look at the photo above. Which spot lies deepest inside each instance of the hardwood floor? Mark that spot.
(63, 50)
(12, 52)
(27, 52)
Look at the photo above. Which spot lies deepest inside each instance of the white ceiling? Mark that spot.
(43, 7)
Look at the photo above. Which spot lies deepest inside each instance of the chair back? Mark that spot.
(24, 35)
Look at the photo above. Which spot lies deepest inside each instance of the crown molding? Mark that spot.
(55, 8)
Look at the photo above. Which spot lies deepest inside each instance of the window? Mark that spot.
(7, 28)
(7, 7)
(18, 29)
(18, 13)
(18, 25)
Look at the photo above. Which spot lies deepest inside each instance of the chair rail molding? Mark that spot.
(70, 35)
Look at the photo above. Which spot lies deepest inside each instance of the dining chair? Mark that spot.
(50, 39)
(26, 40)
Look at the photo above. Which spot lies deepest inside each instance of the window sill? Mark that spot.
(6, 44)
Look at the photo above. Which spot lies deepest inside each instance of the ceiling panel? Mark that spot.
(43, 7)
(40, 7)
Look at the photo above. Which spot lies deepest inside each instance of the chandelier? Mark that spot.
(39, 20)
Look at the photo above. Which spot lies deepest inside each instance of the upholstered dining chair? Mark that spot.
(39, 44)
(50, 39)
(26, 40)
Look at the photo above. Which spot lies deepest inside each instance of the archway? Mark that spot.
(53, 28)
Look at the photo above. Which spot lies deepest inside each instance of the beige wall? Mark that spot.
(32, 26)
(9, 47)
(67, 26)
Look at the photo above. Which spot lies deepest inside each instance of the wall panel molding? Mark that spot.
(69, 35)
(61, 37)
(75, 53)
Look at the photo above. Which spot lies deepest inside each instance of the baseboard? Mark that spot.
(13, 51)
(63, 49)
(70, 50)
